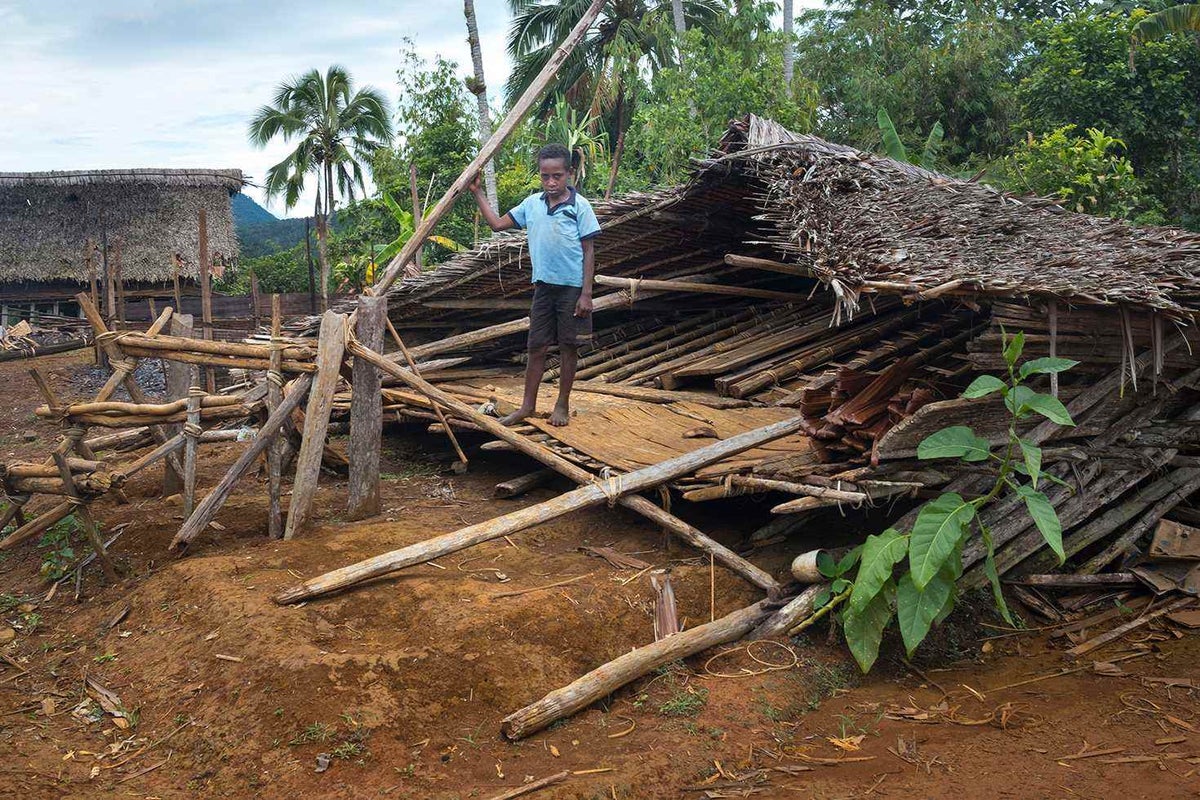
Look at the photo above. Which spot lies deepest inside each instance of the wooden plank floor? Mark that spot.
(630, 434)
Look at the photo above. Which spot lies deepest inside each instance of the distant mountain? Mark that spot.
(261, 232)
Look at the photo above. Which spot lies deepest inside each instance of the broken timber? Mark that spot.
(590, 494)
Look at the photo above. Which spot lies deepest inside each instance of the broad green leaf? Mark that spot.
(1046, 366)
(1050, 408)
(933, 143)
(840, 585)
(879, 554)
(983, 386)
(916, 609)
(1013, 348)
(849, 560)
(1033, 460)
(957, 441)
(948, 608)
(1046, 519)
(864, 630)
(822, 598)
(1017, 400)
(826, 565)
(940, 526)
(891, 140)
(993, 575)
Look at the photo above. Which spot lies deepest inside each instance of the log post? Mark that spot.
(366, 412)
(607, 678)
(275, 449)
(331, 345)
(212, 502)
(191, 433)
(178, 381)
(590, 494)
(783, 620)
(206, 332)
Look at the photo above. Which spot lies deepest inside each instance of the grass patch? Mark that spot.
(685, 702)
(316, 732)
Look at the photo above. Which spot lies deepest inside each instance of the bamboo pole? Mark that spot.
(607, 678)
(331, 345)
(590, 494)
(426, 225)
(275, 448)
(636, 285)
(749, 262)
(211, 504)
(544, 455)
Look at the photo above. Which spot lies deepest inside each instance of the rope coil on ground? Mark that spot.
(767, 666)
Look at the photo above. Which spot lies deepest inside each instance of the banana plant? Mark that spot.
(407, 228)
(895, 148)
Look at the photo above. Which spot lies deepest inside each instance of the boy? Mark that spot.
(561, 226)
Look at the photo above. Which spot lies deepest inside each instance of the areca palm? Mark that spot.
(629, 37)
(336, 129)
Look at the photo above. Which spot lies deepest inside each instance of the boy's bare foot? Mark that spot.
(560, 417)
(516, 416)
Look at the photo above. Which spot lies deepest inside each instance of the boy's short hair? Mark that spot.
(555, 150)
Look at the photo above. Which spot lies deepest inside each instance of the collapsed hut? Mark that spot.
(793, 322)
(131, 232)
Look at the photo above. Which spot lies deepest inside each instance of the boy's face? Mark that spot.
(555, 175)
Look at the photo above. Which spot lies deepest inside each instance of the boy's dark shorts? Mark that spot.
(552, 317)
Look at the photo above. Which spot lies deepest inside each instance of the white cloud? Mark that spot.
(173, 83)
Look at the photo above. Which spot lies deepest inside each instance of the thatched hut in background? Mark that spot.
(61, 230)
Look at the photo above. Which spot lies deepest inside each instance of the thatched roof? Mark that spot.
(858, 218)
(148, 215)
(859, 222)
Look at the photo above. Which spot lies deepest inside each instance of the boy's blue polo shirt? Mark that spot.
(556, 234)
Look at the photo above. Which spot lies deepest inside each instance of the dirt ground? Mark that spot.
(403, 683)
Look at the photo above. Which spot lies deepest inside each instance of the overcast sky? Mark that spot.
(172, 83)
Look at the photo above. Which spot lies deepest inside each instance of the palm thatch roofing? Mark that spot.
(147, 216)
(858, 222)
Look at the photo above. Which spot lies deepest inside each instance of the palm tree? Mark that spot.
(1176, 19)
(336, 129)
(628, 36)
(478, 87)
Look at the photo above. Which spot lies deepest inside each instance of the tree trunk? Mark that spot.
(677, 16)
(788, 52)
(479, 88)
(322, 250)
(620, 148)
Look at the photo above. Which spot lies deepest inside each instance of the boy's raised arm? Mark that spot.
(494, 220)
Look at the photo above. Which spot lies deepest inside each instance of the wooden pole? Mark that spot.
(590, 494)
(211, 504)
(749, 262)
(177, 293)
(191, 432)
(607, 678)
(178, 381)
(331, 345)
(210, 381)
(366, 412)
(548, 457)
(488, 151)
(783, 620)
(38, 525)
(637, 284)
(275, 449)
(515, 487)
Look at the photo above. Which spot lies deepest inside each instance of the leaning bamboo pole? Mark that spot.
(489, 149)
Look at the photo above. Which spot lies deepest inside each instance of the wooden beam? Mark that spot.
(749, 262)
(178, 381)
(489, 149)
(276, 447)
(331, 345)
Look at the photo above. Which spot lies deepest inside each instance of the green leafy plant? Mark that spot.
(685, 702)
(911, 576)
(59, 553)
